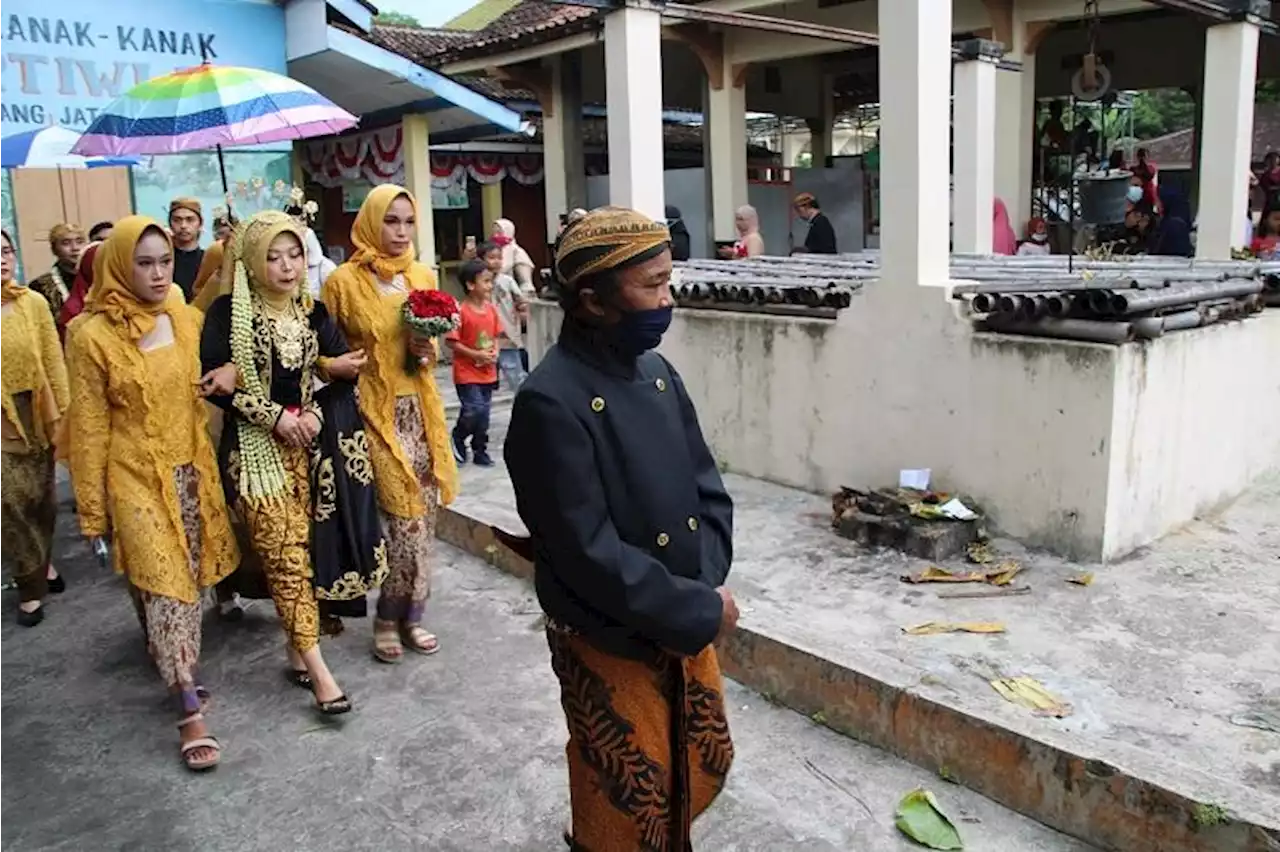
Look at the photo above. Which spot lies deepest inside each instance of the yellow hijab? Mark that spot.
(366, 233)
(210, 273)
(112, 293)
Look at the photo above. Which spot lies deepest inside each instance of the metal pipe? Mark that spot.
(1098, 301)
(983, 303)
(1134, 303)
(1057, 304)
(1149, 328)
(1071, 329)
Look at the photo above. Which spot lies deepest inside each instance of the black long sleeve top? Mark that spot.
(286, 384)
(631, 524)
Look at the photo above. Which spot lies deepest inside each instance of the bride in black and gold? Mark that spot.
(280, 473)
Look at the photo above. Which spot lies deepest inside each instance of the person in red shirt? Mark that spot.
(475, 361)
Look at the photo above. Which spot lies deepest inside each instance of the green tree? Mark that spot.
(396, 19)
(1160, 111)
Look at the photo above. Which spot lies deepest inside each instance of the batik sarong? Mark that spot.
(649, 744)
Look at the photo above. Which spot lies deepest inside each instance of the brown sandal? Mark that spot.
(386, 642)
(189, 748)
(419, 640)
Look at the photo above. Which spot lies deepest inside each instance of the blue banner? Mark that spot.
(61, 62)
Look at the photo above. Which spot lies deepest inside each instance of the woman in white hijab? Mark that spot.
(515, 260)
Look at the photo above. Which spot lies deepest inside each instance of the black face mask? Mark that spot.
(639, 331)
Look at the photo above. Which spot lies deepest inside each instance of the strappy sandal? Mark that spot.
(419, 640)
(204, 696)
(189, 748)
(336, 707)
(299, 677)
(386, 642)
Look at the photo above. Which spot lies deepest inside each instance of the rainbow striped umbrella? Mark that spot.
(210, 106)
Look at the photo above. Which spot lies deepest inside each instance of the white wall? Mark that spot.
(1020, 424)
(1086, 449)
(1197, 417)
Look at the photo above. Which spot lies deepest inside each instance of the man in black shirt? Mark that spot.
(186, 218)
(821, 238)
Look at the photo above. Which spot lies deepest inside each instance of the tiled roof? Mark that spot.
(417, 43)
(527, 22)
(1176, 148)
(595, 133)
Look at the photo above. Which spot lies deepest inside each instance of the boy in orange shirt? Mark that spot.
(475, 361)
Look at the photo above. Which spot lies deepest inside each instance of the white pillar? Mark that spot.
(726, 159)
(1230, 74)
(915, 94)
(633, 89)
(1016, 129)
(555, 177)
(974, 111)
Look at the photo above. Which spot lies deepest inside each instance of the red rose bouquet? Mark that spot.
(428, 313)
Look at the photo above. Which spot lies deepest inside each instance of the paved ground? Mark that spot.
(1157, 657)
(462, 751)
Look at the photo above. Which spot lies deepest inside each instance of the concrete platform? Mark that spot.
(1156, 657)
(461, 751)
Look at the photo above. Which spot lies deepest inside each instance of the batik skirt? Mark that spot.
(649, 745)
(30, 511)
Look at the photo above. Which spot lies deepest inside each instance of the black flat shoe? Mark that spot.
(30, 619)
(336, 707)
(298, 677)
(57, 585)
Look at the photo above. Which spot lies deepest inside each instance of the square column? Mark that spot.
(417, 179)
(633, 89)
(819, 142)
(1015, 128)
(915, 93)
(1226, 140)
(726, 152)
(975, 146)
(565, 179)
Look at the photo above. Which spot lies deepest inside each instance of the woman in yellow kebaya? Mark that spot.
(35, 398)
(141, 462)
(413, 464)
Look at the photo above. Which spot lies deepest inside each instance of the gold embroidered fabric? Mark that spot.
(127, 408)
(280, 529)
(372, 322)
(31, 362)
(351, 586)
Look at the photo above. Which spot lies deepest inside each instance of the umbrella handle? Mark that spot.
(222, 169)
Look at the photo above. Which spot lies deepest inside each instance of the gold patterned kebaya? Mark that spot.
(35, 396)
(140, 456)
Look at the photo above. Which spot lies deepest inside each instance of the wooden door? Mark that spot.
(44, 197)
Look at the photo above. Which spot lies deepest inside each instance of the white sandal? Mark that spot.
(188, 748)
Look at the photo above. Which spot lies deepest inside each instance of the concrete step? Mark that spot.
(1155, 661)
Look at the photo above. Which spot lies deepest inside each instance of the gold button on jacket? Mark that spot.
(663, 539)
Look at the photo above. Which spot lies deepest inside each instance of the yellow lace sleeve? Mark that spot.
(55, 368)
(90, 421)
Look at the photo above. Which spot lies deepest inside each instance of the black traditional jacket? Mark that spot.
(631, 525)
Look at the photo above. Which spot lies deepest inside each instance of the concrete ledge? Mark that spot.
(881, 702)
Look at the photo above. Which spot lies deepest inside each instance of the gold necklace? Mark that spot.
(288, 333)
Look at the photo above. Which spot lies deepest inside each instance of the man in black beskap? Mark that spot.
(821, 238)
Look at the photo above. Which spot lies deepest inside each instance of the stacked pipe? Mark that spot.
(1106, 300)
